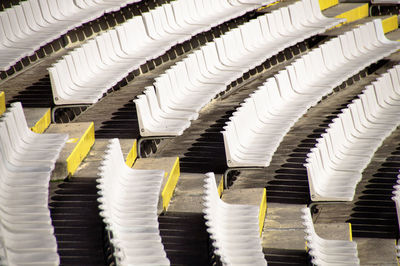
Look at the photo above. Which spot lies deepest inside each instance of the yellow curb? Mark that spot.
(43, 123)
(221, 186)
(2, 102)
(263, 210)
(169, 188)
(81, 150)
(132, 155)
(390, 24)
(325, 4)
(354, 14)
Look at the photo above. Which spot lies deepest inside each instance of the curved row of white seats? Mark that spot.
(335, 165)
(325, 252)
(85, 74)
(128, 203)
(234, 229)
(26, 161)
(179, 94)
(26, 27)
(256, 129)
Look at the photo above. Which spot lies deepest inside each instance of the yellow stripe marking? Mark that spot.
(169, 188)
(221, 187)
(43, 123)
(132, 155)
(390, 24)
(266, 6)
(2, 102)
(325, 4)
(350, 232)
(263, 210)
(354, 14)
(81, 150)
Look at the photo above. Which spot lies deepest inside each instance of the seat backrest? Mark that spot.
(37, 13)
(272, 24)
(316, 8)
(359, 40)
(265, 27)
(352, 43)
(284, 85)
(22, 20)
(178, 12)
(380, 34)
(296, 12)
(151, 28)
(104, 49)
(169, 15)
(286, 19)
(16, 25)
(20, 117)
(8, 29)
(162, 85)
(143, 114)
(152, 99)
(44, 7)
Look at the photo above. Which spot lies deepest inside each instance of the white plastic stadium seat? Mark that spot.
(326, 252)
(26, 162)
(26, 27)
(191, 83)
(336, 164)
(270, 112)
(128, 204)
(234, 229)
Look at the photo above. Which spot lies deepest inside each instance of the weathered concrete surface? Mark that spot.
(283, 228)
(394, 35)
(334, 231)
(376, 251)
(188, 196)
(250, 196)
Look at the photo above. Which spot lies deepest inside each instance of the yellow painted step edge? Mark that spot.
(2, 102)
(132, 155)
(350, 232)
(325, 4)
(81, 150)
(43, 123)
(263, 210)
(354, 14)
(266, 6)
(221, 186)
(169, 188)
(390, 24)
